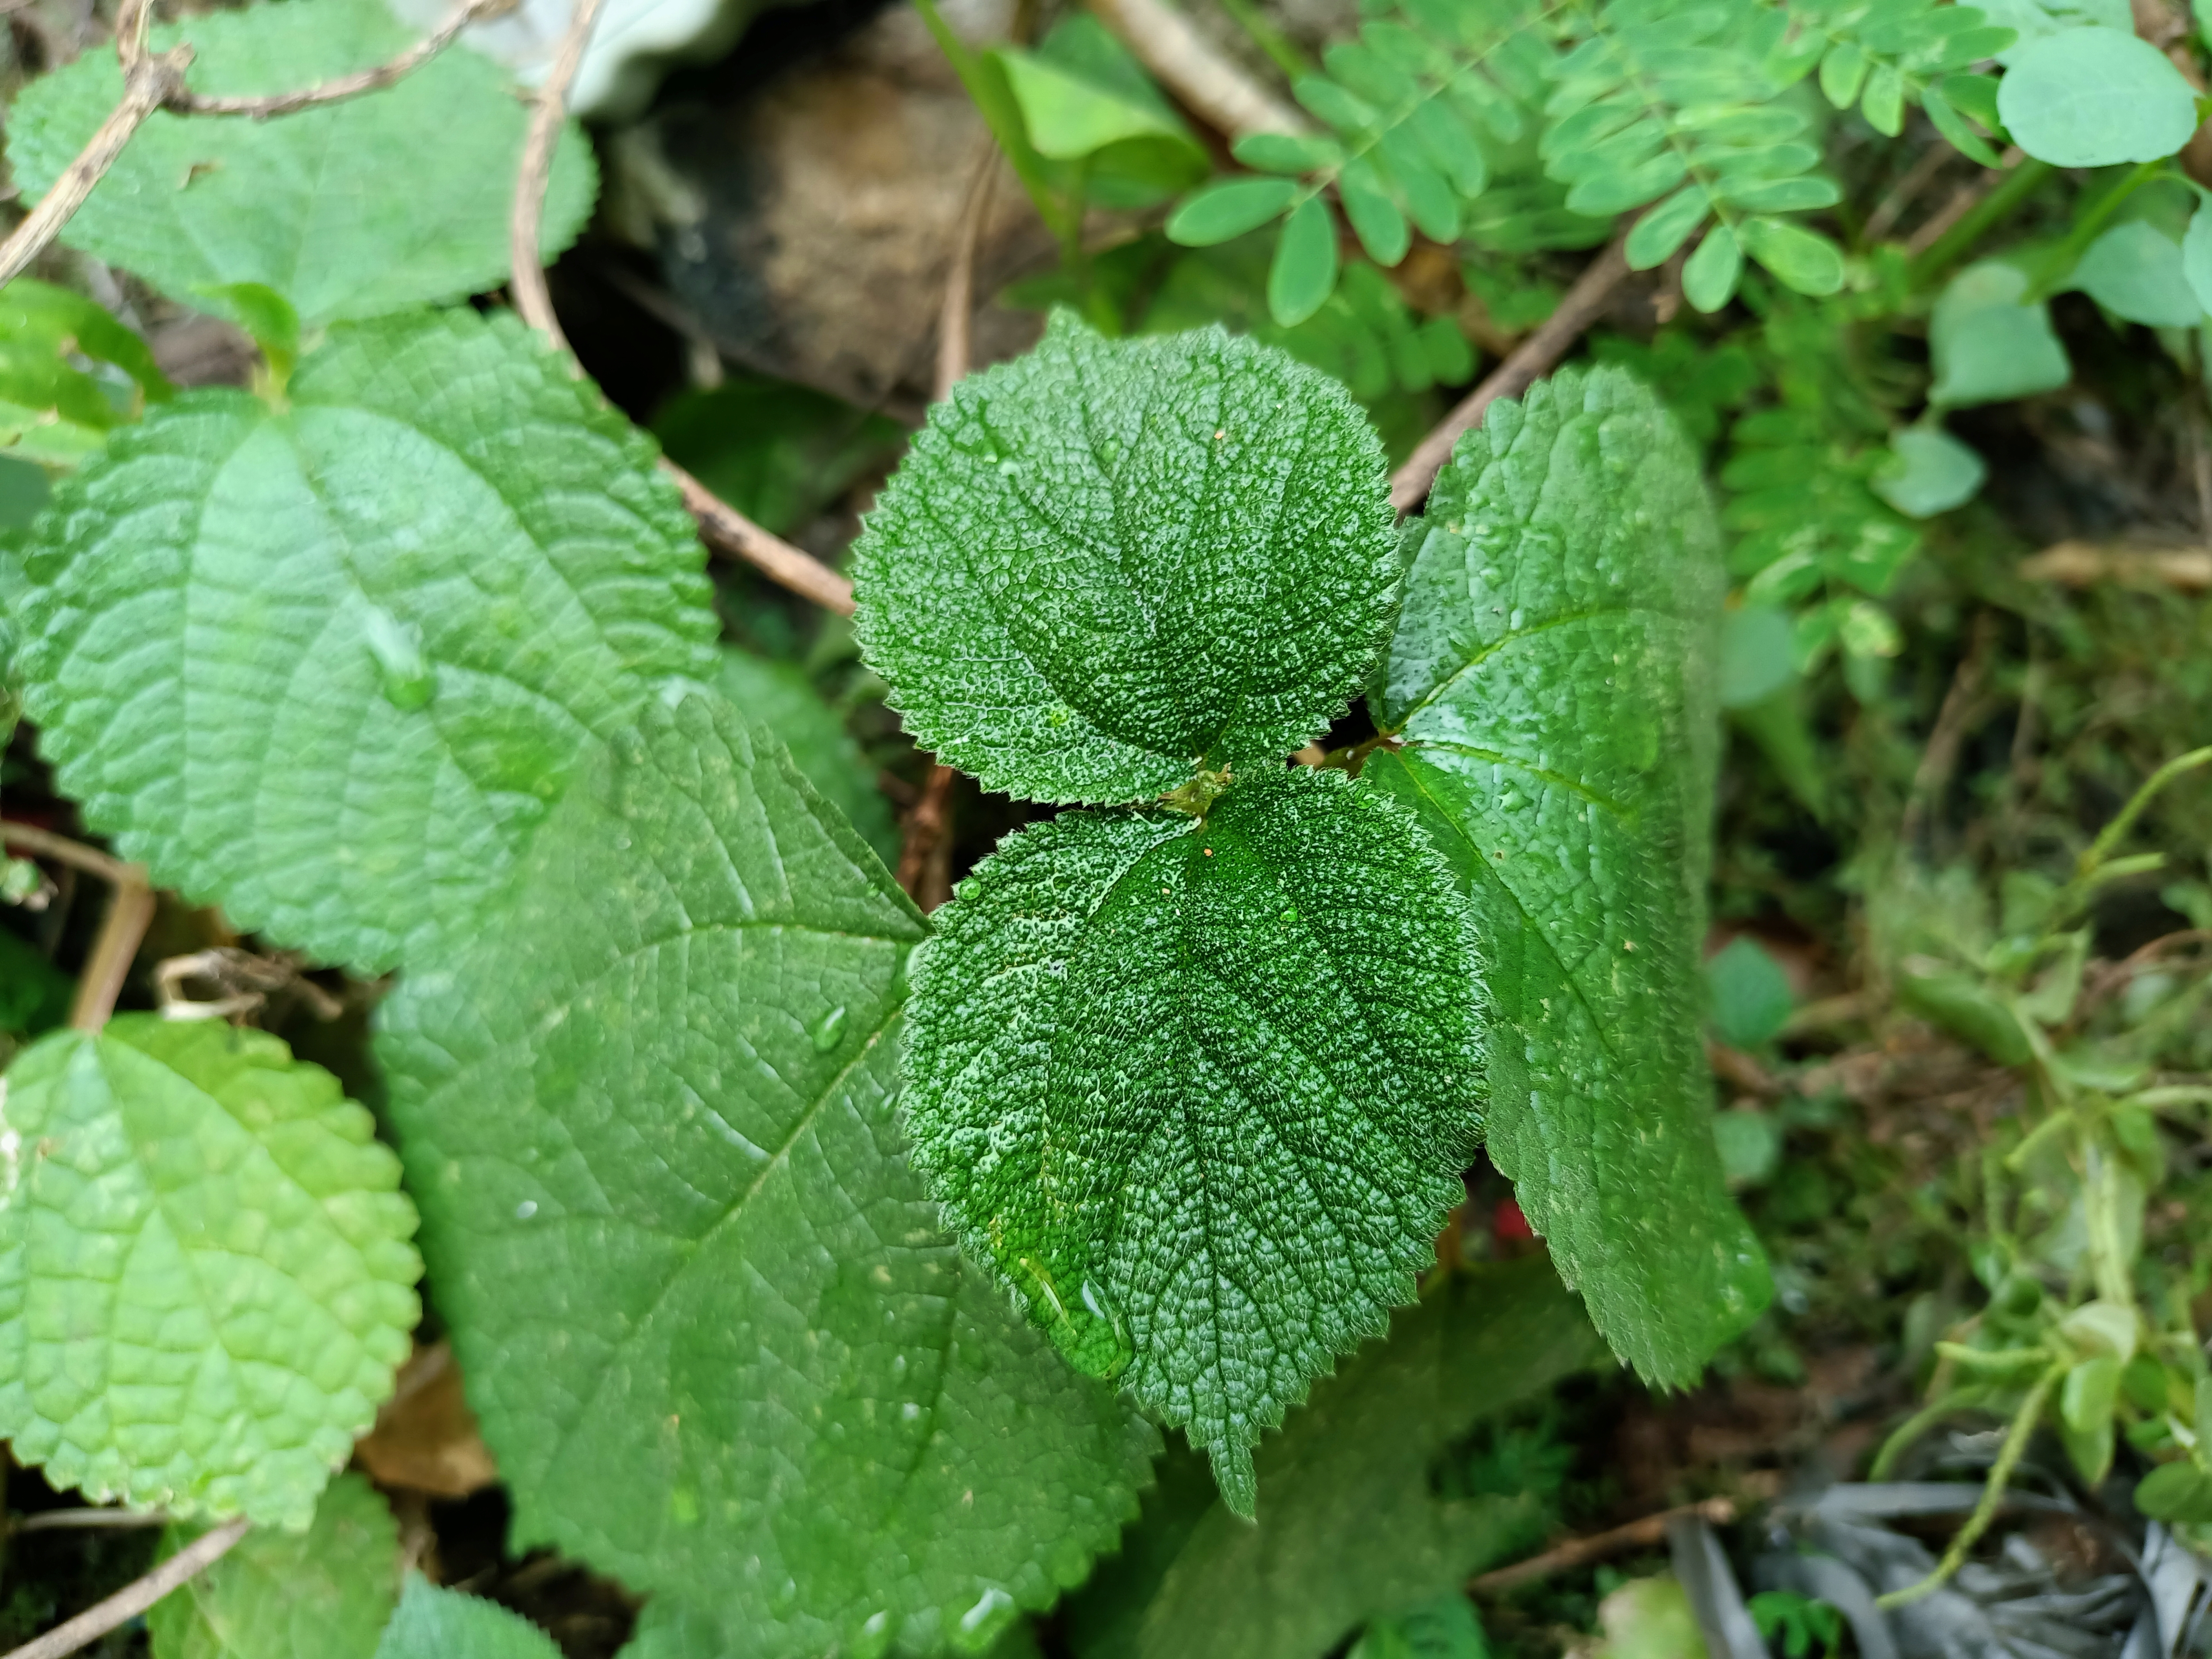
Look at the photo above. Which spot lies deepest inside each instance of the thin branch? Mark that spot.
(130, 910)
(1583, 304)
(148, 83)
(45, 844)
(132, 1599)
(722, 527)
(1581, 1552)
(528, 281)
(728, 531)
(1212, 87)
(88, 1520)
(2079, 564)
(187, 102)
(925, 856)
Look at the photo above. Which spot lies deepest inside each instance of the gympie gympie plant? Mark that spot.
(1194, 1069)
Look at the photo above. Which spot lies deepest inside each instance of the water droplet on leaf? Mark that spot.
(1087, 1328)
(404, 674)
(683, 1507)
(967, 888)
(1290, 912)
(827, 1032)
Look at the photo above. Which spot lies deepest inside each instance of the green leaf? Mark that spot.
(1799, 258)
(2196, 255)
(53, 412)
(393, 199)
(1929, 471)
(1351, 1523)
(1223, 211)
(2136, 272)
(1376, 219)
(443, 1624)
(325, 664)
(779, 697)
(1750, 994)
(1568, 564)
(1989, 343)
(704, 1307)
(1071, 114)
(2175, 1492)
(277, 1595)
(779, 452)
(1287, 153)
(1709, 276)
(2094, 98)
(1446, 1628)
(1303, 275)
(1659, 233)
(1113, 1090)
(1756, 659)
(2086, 1400)
(206, 1276)
(1108, 560)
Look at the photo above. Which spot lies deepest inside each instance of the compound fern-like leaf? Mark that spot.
(1201, 1092)
(206, 1277)
(711, 1328)
(1550, 684)
(1110, 560)
(325, 664)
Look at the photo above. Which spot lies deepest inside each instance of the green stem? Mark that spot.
(1269, 39)
(2009, 1455)
(2001, 204)
(1917, 1424)
(2059, 264)
(2101, 848)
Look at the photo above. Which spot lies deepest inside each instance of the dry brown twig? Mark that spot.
(925, 866)
(1581, 1552)
(134, 1599)
(1583, 305)
(2081, 564)
(722, 527)
(129, 908)
(157, 82)
(1208, 84)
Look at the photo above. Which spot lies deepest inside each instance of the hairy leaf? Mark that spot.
(710, 1327)
(205, 1274)
(1352, 1525)
(443, 1624)
(779, 697)
(326, 664)
(1201, 1092)
(282, 1596)
(1110, 559)
(1550, 681)
(393, 199)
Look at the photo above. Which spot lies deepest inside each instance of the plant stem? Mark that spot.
(2111, 836)
(2009, 196)
(186, 102)
(1208, 84)
(2059, 264)
(527, 281)
(132, 1599)
(129, 908)
(45, 844)
(2009, 1456)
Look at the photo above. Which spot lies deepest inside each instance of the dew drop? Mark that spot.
(1290, 912)
(827, 1032)
(526, 1209)
(1087, 1328)
(683, 1507)
(874, 1637)
(982, 1622)
(967, 888)
(404, 674)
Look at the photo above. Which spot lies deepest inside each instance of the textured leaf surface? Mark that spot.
(1110, 558)
(710, 1327)
(394, 199)
(284, 1596)
(779, 696)
(1350, 1526)
(1202, 1092)
(1551, 680)
(205, 1274)
(443, 1624)
(326, 665)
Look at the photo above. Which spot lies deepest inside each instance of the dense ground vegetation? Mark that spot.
(1473, 915)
